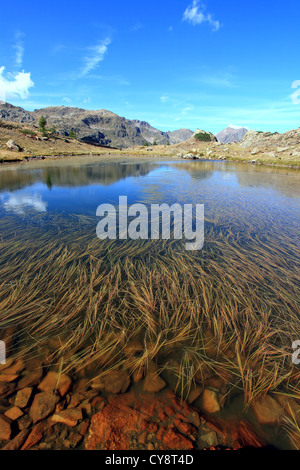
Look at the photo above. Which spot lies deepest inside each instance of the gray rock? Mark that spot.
(210, 438)
(11, 144)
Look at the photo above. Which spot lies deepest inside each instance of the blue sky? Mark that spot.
(173, 63)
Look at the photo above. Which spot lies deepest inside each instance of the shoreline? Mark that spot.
(113, 156)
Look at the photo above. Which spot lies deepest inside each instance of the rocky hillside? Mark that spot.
(150, 134)
(231, 134)
(280, 142)
(11, 113)
(100, 127)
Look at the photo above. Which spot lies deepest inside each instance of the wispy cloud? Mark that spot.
(195, 14)
(136, 27)
(117, 79)
(14, 85)
(164, 98)
(94, 57)
(222, 80)
(19, 47)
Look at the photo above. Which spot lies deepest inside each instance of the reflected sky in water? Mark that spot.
(79, 186)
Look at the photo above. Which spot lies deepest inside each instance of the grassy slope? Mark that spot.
(33, 148)
(59, 146)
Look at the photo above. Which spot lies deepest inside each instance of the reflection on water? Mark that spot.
(19, 203)
(70, 175)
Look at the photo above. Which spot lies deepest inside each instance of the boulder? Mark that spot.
(23, 396)
(267, 410)
(153, 383)
(5, 428)
(69, 417)
(54, 381)
(14, 413)
(11, 144)
(43, 405)
(210, 402)
(116, 382)
(17, 441)
(6, 389)
(31, 379)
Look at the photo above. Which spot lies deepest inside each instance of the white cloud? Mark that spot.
(19, 47)
(195, 14)
(15, 85)
(19, 203)
(95, 56)
(238, 127)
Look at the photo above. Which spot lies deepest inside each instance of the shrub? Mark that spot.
(203, 137)
(27, 132)
(72, 134)
(53, 130)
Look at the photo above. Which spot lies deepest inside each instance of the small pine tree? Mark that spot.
(42, 124)
(72, 134)
(155, 143)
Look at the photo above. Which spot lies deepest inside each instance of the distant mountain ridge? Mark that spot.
(232, 134)
(99, 127)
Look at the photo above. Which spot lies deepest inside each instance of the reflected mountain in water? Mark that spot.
(282, 180)
(71, 176)
(85, 172)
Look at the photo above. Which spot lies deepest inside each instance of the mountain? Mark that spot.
(100, 127)
(150, 134)
(8, 112)
(231, 134)
(179, 136)
(162, 138)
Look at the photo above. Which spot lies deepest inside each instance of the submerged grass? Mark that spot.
(231, 309)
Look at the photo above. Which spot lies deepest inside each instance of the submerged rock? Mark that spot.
(23, 397)
(153, 383)
(116, 381)
(267, 410)
(43, 405)
(210, 402)
(54, 381)
(5, 428)
(70, 417)
(14, 413)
